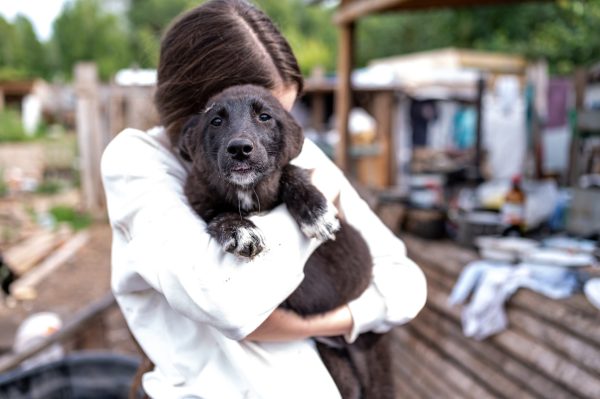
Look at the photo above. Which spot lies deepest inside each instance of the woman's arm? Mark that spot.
(398, 290)
(284, 325)
(161, 244)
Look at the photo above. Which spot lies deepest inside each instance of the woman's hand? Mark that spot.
(285, 325)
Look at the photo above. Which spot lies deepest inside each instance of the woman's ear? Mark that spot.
(184, 143)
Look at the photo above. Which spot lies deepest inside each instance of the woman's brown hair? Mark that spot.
(219, 44)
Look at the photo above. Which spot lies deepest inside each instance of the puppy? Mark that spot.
(240, 148)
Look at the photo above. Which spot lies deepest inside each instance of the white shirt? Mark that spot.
(190, 305)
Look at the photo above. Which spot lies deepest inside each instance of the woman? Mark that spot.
(208, 320)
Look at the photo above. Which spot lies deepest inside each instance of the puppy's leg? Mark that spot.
(371, 357)
(338, 363)
(236, 234)
(307, 204)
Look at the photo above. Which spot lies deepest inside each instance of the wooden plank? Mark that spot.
(26, 254)
(24, 287)
(428, 384)
(405, 384)
(515, 370)
(528, 350)
(494, 379)
(343, 98)
(550, 362)
(573, 314)
(442, 366)
(581, 352)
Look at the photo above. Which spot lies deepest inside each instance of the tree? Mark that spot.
(147, 21)
(309, 30)
(563, 32)
(21, 53)
(84, 32)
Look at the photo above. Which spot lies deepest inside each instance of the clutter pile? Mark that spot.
(550, 267)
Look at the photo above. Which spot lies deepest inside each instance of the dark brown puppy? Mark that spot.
(240, 148)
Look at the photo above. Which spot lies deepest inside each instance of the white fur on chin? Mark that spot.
(243, 179)
(246, 200)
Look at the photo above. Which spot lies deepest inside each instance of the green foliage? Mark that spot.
(3, 185)
(10, 73)
(308, 29)
(148, 19)
(563, 32)
(11, 127)
(12, 130)
(85, 32)
(51, 186)
(76, 219)
(21, 53)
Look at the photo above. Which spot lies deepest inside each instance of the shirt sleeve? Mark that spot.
(160, 243)
(398, 290)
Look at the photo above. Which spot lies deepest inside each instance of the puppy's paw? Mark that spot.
(245, 241)
(323, 226)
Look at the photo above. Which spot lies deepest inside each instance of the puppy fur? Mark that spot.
(240, 148)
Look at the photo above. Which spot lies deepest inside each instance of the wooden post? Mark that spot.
(317, 106)
(343, 100)
(1, 100)
(580, 80)
(317, 114)
(89, 136)
(116, 110)
(140, 112)
(384, 111)
(479, 131)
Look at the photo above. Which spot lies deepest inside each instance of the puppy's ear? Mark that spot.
(292, 136)
(185, 138)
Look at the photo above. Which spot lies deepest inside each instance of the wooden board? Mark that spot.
(550, 349)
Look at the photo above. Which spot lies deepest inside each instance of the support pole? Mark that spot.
(479, 129)
(343, 98)
(89, 136)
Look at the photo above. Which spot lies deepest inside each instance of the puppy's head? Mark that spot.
(244, 133)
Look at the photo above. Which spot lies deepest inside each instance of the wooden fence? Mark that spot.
(102, 111)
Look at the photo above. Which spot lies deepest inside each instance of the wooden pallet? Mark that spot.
(550, 350)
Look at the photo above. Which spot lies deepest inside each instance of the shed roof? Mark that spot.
(351, 10)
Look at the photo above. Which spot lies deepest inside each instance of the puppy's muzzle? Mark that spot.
(240, 148)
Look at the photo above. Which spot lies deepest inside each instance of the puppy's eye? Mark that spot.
(264, 117)
(216, 121)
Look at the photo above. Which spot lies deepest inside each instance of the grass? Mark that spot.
(76, 219)
(12, 130)
(3, 185)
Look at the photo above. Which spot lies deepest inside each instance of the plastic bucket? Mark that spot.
(76, 376)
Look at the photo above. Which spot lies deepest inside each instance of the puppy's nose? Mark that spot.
(240, 147)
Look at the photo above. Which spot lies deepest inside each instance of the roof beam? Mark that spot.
(350, 11)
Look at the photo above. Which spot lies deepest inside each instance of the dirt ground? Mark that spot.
(76, 284)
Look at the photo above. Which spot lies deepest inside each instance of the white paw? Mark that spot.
(246, 242)
(324, 227)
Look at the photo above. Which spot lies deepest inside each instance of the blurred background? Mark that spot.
(471, 128)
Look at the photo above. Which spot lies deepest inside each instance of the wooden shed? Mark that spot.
(346, 17)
